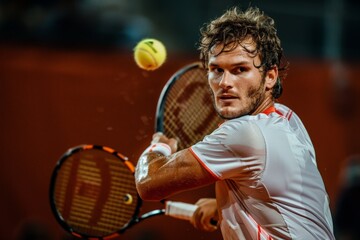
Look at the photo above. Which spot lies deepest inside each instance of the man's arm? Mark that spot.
(158, 176)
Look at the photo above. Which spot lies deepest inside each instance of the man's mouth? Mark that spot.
(227, 97)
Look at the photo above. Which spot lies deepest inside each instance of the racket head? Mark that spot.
(93, 193)
(185, 107)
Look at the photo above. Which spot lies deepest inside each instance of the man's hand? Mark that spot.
(161, 138)
(205, 214)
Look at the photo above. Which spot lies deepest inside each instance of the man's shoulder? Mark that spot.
(246, 125)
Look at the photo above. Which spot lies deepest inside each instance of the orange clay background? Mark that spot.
(51, 100)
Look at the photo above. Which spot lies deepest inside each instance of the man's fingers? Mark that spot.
(156, 137)
(173, 143)
(202, 223)
(159, 137)
(207, 225)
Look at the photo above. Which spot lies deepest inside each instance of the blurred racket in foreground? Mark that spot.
(185, 109)
(93, 194)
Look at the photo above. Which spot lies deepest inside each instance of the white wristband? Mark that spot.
(161, 148)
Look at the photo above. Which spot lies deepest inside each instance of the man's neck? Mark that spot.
(267, 103)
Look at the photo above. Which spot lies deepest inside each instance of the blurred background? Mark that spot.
(67, 77)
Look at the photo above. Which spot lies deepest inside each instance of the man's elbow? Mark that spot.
(147, 193)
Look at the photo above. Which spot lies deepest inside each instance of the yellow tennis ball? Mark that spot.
(150, 54)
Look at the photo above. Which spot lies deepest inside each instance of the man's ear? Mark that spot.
(271, 77)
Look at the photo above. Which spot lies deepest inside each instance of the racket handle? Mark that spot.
(180, 210)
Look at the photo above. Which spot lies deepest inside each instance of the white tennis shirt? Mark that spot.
(268, 184)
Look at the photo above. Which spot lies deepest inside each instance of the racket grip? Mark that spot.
(180, 210)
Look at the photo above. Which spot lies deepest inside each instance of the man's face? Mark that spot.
(237, 85)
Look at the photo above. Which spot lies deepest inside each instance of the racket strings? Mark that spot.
(188, 111)
(90, 193)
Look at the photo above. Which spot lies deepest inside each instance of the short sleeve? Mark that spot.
(236, 150)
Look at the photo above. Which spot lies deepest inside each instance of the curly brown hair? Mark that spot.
(233, 27)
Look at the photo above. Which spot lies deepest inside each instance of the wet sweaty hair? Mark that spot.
(235, 26)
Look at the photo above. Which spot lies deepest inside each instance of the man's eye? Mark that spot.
(216, 70)
(240, 69)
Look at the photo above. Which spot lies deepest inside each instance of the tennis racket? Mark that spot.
(185, 109)
(93, 194)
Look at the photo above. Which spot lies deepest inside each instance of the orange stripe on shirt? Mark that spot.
(290, 114)
(259, 232)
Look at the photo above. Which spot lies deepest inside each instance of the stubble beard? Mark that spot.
(256, 96)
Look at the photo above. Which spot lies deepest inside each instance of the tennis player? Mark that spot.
(261, 158)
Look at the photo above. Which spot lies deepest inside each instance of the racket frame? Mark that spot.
(161, 103)
(133, 220)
